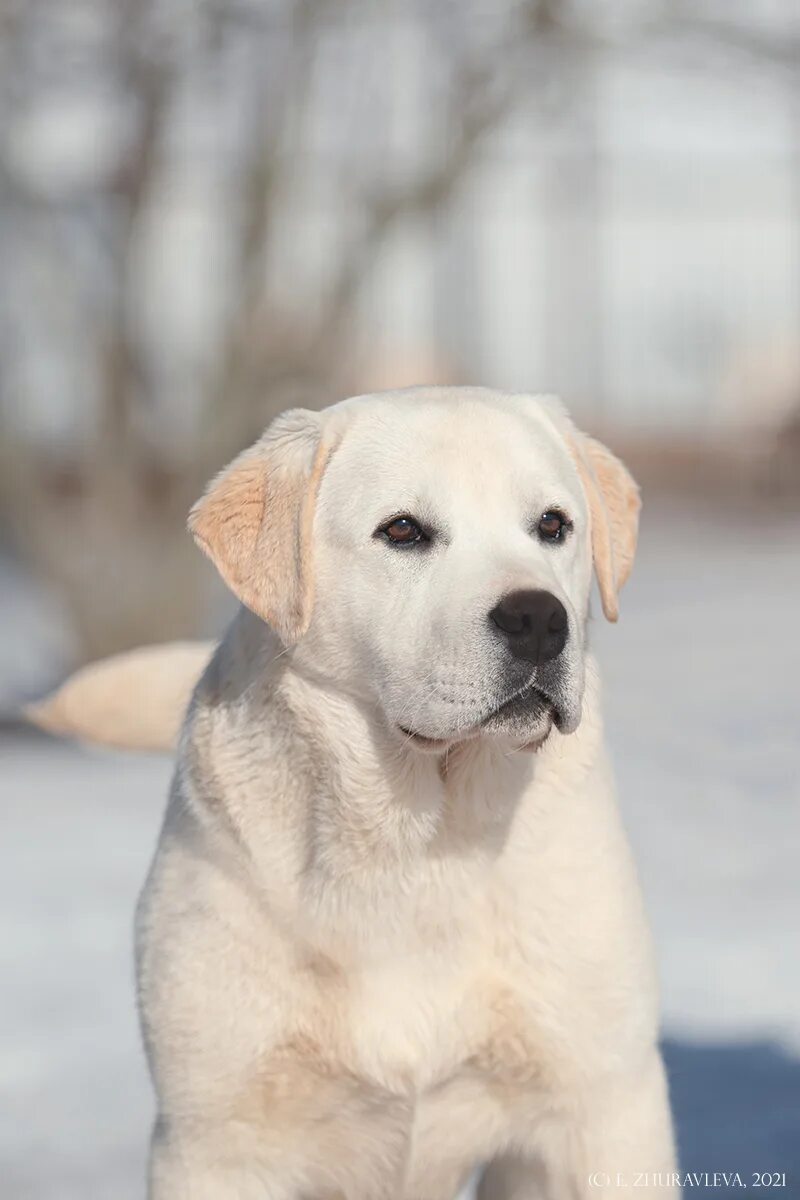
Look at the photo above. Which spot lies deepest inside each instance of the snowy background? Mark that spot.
(212, 211)
(701, 680)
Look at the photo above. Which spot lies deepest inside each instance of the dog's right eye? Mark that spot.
(403, 531)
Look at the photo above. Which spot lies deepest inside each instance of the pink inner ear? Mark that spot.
(614, 504)
(255, 524)
(621, 500)
(227, 520)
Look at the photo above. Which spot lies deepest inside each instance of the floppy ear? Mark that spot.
(614, 506)
(255, 521)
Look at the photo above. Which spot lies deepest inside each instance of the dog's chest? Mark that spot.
(460, 1047)
(467, 1007)
(461, 976)
(407, 1024)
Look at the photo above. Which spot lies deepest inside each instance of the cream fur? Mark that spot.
(133, 701)
(255, 522)
(368, 963)
(614, 505)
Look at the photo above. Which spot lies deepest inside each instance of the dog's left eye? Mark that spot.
(403, 531)
(552, 526)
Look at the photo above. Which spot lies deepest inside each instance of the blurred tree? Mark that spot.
(117, 114)
(163, 289)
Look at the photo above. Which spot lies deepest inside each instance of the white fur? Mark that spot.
(366, 967)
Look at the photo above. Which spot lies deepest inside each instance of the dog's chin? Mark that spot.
(436, 745)
(428, 745)
(526, 720)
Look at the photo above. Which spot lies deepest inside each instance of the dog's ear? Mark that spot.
(614, 505)
(255, 521)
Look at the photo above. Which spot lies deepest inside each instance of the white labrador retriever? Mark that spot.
(382, 941)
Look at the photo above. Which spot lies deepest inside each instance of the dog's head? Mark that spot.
(430, 551)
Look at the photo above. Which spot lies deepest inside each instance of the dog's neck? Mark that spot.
(319, 774)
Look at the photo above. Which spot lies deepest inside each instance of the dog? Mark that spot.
(392, 931)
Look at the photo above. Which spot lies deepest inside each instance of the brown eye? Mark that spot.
(552, 526)
(403, 531)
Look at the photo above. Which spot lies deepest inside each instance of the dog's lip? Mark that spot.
(530, 689)
(463, 735)
(429, 743)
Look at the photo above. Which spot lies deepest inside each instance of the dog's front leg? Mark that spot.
(357, 1153)
(213, 1164)
(229, 1164)
(616, 1141)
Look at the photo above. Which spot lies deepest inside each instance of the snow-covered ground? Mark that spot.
(701, 681)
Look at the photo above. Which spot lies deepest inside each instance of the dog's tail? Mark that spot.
(133, 701)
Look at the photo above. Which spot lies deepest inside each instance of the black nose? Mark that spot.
(534, 625)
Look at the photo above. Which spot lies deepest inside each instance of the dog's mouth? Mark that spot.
(528, 707)
(529, 703)
(429, 743)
